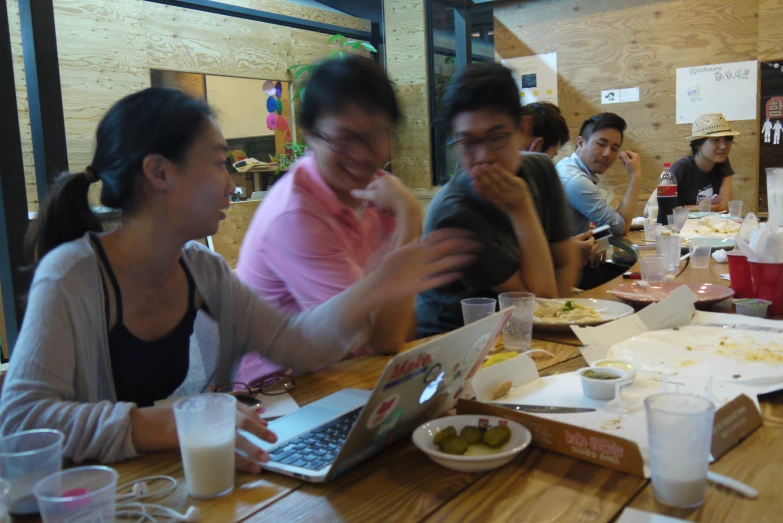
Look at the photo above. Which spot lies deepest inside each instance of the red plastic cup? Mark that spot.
(768, 284)
(739, 272)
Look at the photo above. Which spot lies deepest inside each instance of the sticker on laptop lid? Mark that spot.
(409, 369)
(382, 411)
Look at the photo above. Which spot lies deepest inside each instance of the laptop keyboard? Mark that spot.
(318, 448)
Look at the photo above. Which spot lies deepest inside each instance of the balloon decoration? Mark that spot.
(274, 104)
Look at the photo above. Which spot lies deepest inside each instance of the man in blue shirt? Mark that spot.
(597, 148)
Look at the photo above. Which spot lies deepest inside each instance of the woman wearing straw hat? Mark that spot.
(707, 169)
(708, 166)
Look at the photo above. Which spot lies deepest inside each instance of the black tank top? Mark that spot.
(147, 371)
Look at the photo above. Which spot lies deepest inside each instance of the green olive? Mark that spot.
(471, 434)
(497, 436)
(454, 445)
(443, 434)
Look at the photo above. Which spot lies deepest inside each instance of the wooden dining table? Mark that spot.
(403, 484)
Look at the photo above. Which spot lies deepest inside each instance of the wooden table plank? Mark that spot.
(542, 486)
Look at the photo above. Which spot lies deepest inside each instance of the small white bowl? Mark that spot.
(602, 389)
(422, 438)
(624, 365)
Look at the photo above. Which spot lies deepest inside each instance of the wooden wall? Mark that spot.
(606, 44)
(406, 64)
(106, 50)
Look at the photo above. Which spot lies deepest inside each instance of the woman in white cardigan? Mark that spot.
(110, 314)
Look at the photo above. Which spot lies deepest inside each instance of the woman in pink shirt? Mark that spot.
(323, 224)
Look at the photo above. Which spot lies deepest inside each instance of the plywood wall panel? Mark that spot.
(406, 64)
(770, 29)
(627, 44)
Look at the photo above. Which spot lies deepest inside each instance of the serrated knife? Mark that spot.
(543, 409)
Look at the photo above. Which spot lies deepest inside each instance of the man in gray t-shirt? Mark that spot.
(513, 203)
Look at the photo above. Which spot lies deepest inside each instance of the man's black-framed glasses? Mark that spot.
(493, 142)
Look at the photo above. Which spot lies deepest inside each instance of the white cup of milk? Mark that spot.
(680, 435)
(206, 426)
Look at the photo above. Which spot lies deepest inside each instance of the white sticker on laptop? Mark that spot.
(382, 411)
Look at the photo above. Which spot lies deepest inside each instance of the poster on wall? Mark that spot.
(730, 89)
(536, 77)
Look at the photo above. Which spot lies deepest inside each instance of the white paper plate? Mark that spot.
(609, 311)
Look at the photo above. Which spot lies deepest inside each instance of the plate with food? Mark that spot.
(559, 315)
(470, 442)
(718, 228)
(706, 293)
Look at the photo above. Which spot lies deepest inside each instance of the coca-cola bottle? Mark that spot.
(667, 194)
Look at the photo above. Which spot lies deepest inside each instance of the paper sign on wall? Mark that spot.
(729, 88)
(536, 77)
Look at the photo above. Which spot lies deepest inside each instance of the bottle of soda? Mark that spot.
(667, 194)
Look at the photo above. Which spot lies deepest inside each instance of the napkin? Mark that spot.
(720, 256)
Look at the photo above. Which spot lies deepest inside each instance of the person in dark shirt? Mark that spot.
(512, 201)
(708, 166)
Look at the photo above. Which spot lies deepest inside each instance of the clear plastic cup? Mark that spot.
(473, 309)
(680, 217)
(653, 268)
(651, 230)
(705, 204)
(518, 330)
(735, 208)
(700, 250)
(206, 426)
(668, 246)
(670, 220)
(679, 427)
(5, 489)
(26, 458)
(78, 494)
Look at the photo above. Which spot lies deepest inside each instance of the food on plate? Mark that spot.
(596, 375)
(713, 225)
(443, 434)
(472, 440)
(471, 434)
(496, 436)
(501, 390)
(500, 357)
(564, 312)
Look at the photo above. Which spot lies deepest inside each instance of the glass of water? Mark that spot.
(700, 250)
(735, 208)
(651, 230)
(653, 269)
(518, 330)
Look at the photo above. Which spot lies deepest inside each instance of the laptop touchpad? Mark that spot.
(296, 423)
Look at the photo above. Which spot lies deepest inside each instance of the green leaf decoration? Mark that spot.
(340, 39)
(301, 71)
(333, 53)
(369, 47)
(357, 45)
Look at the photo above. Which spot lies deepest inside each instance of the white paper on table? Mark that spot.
(632, 515)
(674, 310)
(729, 88)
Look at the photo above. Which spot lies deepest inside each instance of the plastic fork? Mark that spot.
(643, 284)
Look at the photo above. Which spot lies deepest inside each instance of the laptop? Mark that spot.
(324, 439)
